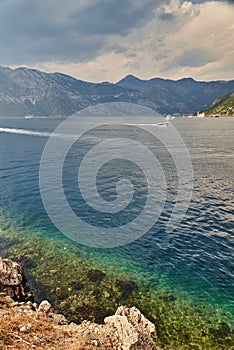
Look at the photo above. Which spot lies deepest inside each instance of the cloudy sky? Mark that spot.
(99, 40)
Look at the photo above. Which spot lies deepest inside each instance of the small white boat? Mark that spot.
(170, 117)
(29, 116)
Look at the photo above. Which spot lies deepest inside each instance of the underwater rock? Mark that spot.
(5, 244)
(94, 312)
(77, 285)
(128, 329)
(222, 332)
(95, 275)
(26, 262)
(168, 297)
(13, 281)
(126, 287)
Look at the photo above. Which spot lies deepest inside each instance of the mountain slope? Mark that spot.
(28, 91)
(181, 96)
(223, 106)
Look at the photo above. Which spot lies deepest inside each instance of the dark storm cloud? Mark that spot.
(113, 17)
(33, 31)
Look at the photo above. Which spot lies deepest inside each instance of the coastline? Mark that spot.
(24, 323)
(180, 323)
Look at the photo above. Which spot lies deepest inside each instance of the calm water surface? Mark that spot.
(198, 263)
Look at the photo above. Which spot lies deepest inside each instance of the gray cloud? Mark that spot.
(119, 35)
(166, 16)
(162, 55)
(202, 1)
(194, 58)
(34, 31)
(113, 17)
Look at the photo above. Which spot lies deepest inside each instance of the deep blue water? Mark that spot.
(199, 258)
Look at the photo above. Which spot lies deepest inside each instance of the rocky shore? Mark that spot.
(24, 324)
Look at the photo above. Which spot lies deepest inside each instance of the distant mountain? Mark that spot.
(223, 106)
(28, 91)
(182, 96)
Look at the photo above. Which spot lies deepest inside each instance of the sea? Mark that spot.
(181, 281)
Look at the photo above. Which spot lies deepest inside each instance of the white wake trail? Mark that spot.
(25, 132)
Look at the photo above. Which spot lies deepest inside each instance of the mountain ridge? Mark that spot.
(185, 95)
(26, 91)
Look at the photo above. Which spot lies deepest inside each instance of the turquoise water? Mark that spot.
(188, 279)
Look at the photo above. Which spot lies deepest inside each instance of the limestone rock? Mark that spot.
(123, 330)
(6, 301)
(59, 319)
(132, 329)
(13, 281)
(128, 329)
(45, 307)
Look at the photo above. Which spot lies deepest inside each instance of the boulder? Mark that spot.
(13, 281)
(132, 329)
(46, 309)
(127, 329)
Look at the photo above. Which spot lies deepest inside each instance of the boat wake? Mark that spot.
(25, 132)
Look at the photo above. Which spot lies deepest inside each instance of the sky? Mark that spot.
(105, 40)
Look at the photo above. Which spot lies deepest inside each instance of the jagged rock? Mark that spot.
(45, 307)
(133, 329)
(124, 331)
(138, 320)
(6, 301)
(128, 329)
(59, 319)
(13, 281)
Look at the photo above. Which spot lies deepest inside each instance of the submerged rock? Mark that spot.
(221, 332)
(96, 275)
(26, 262)
(128, 329)
(168, 297)
(125, 287)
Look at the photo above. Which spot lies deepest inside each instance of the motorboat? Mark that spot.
(170, 117)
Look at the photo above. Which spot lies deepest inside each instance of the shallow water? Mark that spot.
(184, 286)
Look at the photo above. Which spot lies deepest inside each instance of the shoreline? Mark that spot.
(22, 321)
(199, 324)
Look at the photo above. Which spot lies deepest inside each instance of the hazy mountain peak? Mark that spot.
(129, 78)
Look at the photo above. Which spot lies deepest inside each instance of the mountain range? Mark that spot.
(26, 91)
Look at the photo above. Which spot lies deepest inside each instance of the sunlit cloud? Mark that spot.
(99, 40)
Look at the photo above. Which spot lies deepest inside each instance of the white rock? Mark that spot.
(45, 307)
